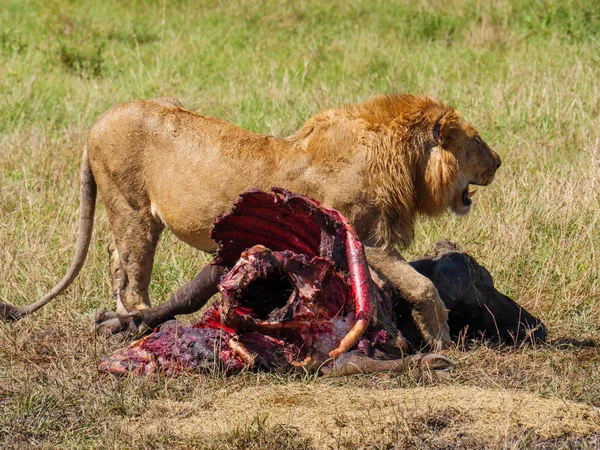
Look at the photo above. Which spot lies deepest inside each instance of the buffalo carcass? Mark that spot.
(296, 293)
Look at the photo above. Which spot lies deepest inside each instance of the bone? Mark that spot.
(361, 288)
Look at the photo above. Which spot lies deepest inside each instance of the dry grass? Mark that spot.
(525, 73)
(509, 398)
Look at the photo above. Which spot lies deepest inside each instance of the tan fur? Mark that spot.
(380, 163)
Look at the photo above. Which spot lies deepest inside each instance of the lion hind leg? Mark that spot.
(118, 277)
(136, 234)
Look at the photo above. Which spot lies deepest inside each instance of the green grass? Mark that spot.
(525, 73)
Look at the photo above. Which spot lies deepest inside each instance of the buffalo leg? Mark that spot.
(187, 299)
(352, 364)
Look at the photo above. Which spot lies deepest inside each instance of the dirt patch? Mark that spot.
(331, 416)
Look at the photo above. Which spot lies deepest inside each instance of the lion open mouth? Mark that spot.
(466, 196)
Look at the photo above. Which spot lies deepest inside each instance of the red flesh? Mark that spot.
(317, 250)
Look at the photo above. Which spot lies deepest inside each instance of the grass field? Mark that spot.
(525, 73)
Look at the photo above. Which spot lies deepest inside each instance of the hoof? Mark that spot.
(438, 364)
(108, 323)
(101, 315)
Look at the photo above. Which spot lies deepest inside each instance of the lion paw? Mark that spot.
(436, 333)
(100, 315)
(442, 341)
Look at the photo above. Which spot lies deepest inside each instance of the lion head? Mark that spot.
(453, 158)
(424, 158)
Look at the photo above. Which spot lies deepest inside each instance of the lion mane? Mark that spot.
(407, 179)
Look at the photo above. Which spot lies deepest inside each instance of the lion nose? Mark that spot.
(497, 159)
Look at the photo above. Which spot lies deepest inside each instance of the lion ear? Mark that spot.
(444, 126)
(437, 132)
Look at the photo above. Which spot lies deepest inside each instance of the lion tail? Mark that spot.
(88, 191)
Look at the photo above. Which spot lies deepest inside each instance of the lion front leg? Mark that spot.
(428, 309)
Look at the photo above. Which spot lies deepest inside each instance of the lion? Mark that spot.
(381, 163)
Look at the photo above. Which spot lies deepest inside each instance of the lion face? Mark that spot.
(477, 165)
(457, 158)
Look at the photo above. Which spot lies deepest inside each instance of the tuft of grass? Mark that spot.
(87, 63)
(11, 42)
(256, 435)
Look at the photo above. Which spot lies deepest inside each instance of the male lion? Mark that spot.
(379, 163)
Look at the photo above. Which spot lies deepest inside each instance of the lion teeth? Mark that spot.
(471, 193)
